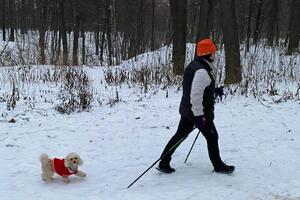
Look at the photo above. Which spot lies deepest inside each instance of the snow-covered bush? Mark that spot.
(268, 74)
(75, 92)
(144, 77)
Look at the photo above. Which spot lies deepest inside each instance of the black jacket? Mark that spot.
(208, 96)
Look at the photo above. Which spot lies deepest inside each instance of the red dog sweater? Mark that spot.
(60, 169)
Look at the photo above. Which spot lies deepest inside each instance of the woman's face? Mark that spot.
(212, 57)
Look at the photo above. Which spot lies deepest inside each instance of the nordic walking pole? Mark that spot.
(143, 173)
(173, 147)
(192, 147)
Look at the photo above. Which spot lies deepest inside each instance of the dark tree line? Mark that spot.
(123, 29)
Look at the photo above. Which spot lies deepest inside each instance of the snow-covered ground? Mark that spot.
(117, 144)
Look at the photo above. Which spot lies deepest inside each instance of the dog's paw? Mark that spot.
(66, 180)
(81, 174)
(45, 178)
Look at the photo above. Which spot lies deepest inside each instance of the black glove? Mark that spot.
(219, 92)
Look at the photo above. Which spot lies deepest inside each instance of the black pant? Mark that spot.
(185, 127)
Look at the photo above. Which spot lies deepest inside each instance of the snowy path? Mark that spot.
(118, 143)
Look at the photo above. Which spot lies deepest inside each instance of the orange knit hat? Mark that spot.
(205, 47)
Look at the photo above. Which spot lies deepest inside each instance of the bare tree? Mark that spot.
(153, 25)
(97, 27)
(124, 29)
(23, 17)
(204, 21)
(178, 15)
(231, 43)
(294, 28)
(103, 24)
(108, 28)
(12, 12)
(3, 21)
(42, 6)
(258, 21)
(249, 25)
(272, 31)
(63, 31)
(56, 37)
(77, 14)
(83, 33)
(140, 27)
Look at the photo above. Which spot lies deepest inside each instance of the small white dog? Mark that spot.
(63, 167)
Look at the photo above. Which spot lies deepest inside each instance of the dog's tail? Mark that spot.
(44, 158)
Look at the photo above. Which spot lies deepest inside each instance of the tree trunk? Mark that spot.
(53, 46)
(140, 28)
(12, 13)
(82, 33)
(178, 14)
(153, 25)
(63, 32)
(249, 26)
(108, 25)
(12, 35)
(97, 30)
(203, 28)
(23, 17)
(42, 47)
(211, 18)
(272, 31)
(97, 40)
(103, 29)
(114, 31)
(77, 13)
(231, 43)
(55, 27)
(294, 28)
(58, 48)
(258, 22)
(3, 21)
(42, 29)
(205, 20)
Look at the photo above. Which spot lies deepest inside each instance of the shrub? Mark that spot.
(75, 93)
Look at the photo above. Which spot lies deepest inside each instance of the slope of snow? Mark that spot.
(118, 143)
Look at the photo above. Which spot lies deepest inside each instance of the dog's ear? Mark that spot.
(80, 162)
(66, 163)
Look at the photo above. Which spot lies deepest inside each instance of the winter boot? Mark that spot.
(165, 167)
(224, 169)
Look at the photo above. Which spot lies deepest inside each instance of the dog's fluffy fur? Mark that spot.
(72, 161)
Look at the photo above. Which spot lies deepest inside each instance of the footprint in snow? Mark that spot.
(12, 145)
